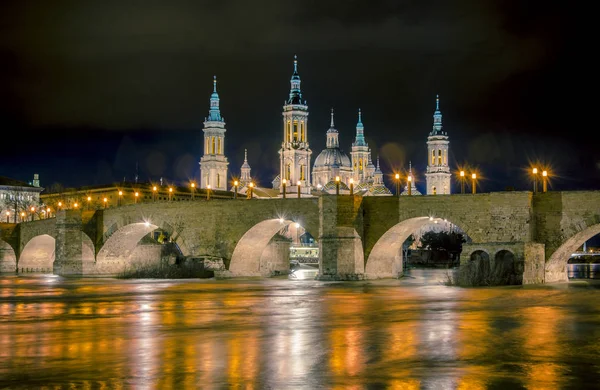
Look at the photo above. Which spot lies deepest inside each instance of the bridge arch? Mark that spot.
(385, 259)
(556, 265)
(37, 255)
(123, 240)
(8, 258)
(248, 255)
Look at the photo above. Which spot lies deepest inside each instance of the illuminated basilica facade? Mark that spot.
(333, 170)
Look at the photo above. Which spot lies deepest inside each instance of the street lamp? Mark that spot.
(75, 205)
(208, 192)
(59, 205)
(298, 183)
(7, 216)
(351, 186)
(409, 184)
(397, 184)
(32, 212)
(462, 182)
(473, 178)
(535, 172)
(136, 195)
(544, 181)
(283, 183)
(250, 187)
(154, 194)
(235, 189)
(337, 185)
(119, 199)
(48, 212)
(193, 190)
(105, 202)
(22, 216)
(171, 193)
(89, 199)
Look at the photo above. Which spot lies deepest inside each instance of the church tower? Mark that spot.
(213, 164)
(362, 165)
(438, 171)
(245, 177)
(295, 153)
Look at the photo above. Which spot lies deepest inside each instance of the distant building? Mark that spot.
(438, 171)
(17, 197)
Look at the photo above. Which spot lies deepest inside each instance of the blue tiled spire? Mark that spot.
(360, 129)
(295, 93)
(437, 118)
(214, 113)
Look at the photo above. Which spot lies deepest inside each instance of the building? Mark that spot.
(17, 199)
(438, 171)
(332, 163)
(294, 155)
(213, 163)
(245, 184)
(363, 170)
(413, 187)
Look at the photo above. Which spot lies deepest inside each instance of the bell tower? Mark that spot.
(213, 164)
(438, 171)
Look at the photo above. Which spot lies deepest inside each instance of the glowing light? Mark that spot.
(7, 213)
(431, 218)
(208, 186)
(535, 171)
(474, 176)
(351, 181)
(298, 183)
(120, 193)
(154, 188)
(171, 190)
(319, 186)
(251, 185)
(137, 194)
(462, 173)
(33, 208)
(235, 183)
(89, 198)
(280, 220)
(59, 204)
(48, 209)
(75, 205)
(544, 173)
(147, 223)
(337, 178)
(105, 200)
(409, 178)
(297, 225)
(193, 185)
(397, 176)
(284, 181)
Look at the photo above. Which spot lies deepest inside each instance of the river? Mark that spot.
(411, 333)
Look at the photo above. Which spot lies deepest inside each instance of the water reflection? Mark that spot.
(412, 333)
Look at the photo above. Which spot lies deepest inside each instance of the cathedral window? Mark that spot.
(445, 156)
(288, 134)
(302, 168)
(360, 164)
(302, 134)
(220, 147)
(433, 157)
(295, 131)
(288, 170)
(440, 157)
(213, 145)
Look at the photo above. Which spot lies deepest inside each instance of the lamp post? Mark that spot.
(59, 205)
(171, 193)
(299, 184)
(154, 193)
(193, 189)
(105, 202)
(75, 205)
(283, 183)
(544, 181)
(473, 178)
(7, 216)
(535, 172)
(48, 212)
(337, 185)
(249, 193)
(462, 182)
(351, 186)
(235, 189)
(89, 199)
(32, 212)
(135, 197)
(22, 216)
(397, 184)
(409, 184)
(208, 192)
(119, 198)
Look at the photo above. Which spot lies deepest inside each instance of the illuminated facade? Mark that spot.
(438, 171)
(363, 169)
(332, 162)
(213, 163)
(294, 155)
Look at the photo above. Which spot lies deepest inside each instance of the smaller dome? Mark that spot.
(331, 157)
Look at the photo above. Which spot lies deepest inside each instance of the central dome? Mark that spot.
(331, 157)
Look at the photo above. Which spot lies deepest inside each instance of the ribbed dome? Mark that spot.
(331, 157)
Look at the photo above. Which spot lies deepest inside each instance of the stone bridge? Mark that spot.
(358, 237)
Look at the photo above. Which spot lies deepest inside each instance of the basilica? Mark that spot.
(333, 171)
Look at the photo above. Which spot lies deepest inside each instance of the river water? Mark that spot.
(411, 333)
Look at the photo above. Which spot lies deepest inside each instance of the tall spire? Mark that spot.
(245, 170)
(360, 130)
(332, 126)
(377, 169)
(214, 113)
(295, 93)
(437, 118)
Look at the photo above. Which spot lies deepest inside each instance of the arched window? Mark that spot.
(433, 157)
(220, 147)
(360, 164)
(302, 133)
(302, 172)
(288, 170)
(440, 157)
(213, 145)
(295, 138)
(288, 133)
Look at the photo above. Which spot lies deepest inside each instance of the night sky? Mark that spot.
(89, 89)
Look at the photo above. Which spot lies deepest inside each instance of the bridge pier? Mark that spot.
(275, 259)
(341, 254)
(68, 259)
(504, 262)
